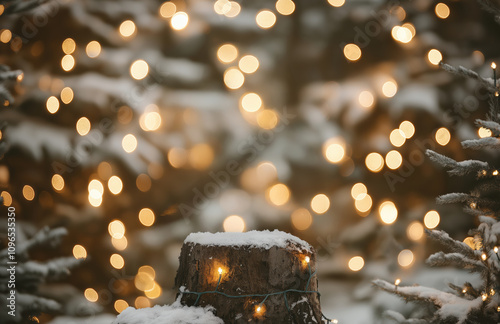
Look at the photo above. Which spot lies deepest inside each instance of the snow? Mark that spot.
(256, 239)
(168, 314)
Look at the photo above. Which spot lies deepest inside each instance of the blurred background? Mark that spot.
(135, 123)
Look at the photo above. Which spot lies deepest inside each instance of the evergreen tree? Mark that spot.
(470, 302)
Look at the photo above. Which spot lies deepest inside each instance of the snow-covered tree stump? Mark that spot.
(250, 277)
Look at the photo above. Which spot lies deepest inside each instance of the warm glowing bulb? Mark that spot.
(352, 52)
(139, 69)
(493, 65)
(220, 271)
(179, 20)
(495, 249)
(443, 136)
(265, 19)
(127, 28)
(93, 49)
(307, 259)
(431, 219)
(434, 56)
(397, 282)
(484, 256)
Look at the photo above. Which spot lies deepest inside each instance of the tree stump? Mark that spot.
(255, 263)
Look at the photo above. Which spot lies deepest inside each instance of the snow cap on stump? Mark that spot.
(252, 239)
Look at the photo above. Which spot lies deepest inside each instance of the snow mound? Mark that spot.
(255, 239)
(168, 314)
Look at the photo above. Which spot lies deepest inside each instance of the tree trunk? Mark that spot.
(250, 269)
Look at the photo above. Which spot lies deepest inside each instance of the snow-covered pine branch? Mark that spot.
(457, 168)
(481, 143)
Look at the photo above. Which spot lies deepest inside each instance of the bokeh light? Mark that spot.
(227, 53)
(68, 46)
(358, 191)
(393, 159)
(356, 263)
(68, 62)
(333, 150)
(57, 182)
(301, 219)
(91, 295)
(167, 9)
(278, 194)
(320, 203)
(374, 162)
(389, 89)
(146, 217)
(442, 10)
(115, 185)
(443, 136)
(285, 7)
(116, 261)
(434, 56)
(431, 219)
(366, 99)
(127, 28)
(251, 102)
(93, 49)
(234, 223)
(388, 212)
(129, 143)
(79, 252)
(28, 192)
(179, 20)
(233, 78)
(406, 258)
(397, 137)
(67, 95)
(116, 229)
(407, 128)
(248, 64)
(139, 69)
(83, 126)
(265, 19)
(352, 52)
(415, 231)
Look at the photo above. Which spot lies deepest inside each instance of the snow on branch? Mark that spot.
(457, 259)
(457, 168)
(494, 127)
(456, 246)
(45, 235)
(461, 71)
(477, 144)
(451, 307)
(453, 198)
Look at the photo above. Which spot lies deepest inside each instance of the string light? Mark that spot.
(431, 219)
(336, 3)
(442, 10)
(233, 78)
(79, 252)
(28, 192)
(356, 263)
(320, 204)
(248, 64)
(434, 56)
(484, 256)
(393, 159)
(278, 194)
(179, 20)
(227, 53)
(127, 28)
(67, 95)
(83, 126)
(407, 128)
(68, 46)
(484, 132)
(285, 7)
(251, 102)
(91, 295)
(129, 143)
(234, 9)
(374, 162)
(234, 223)
(139, 69)
(301, 219)
(52, 104)
(57, 182)
(93, 49)
(484, 296)
(495, 173)
(397, 282)
(443, 136)
(167, 9)
(259, 308)
(352, 52)
(265, 19)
